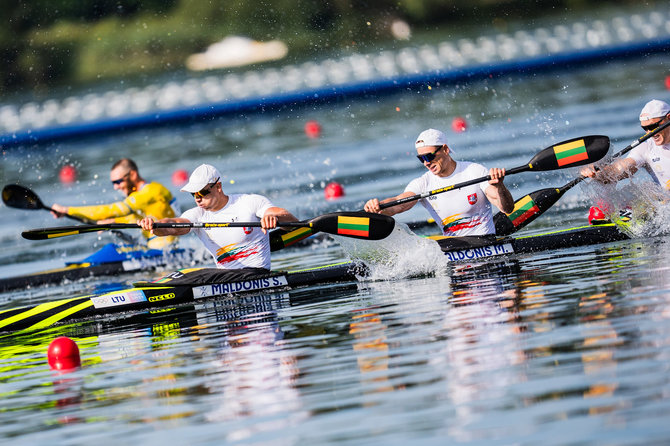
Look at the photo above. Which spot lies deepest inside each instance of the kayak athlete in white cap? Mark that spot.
(232, 248)
(653, 154)
(465, 211)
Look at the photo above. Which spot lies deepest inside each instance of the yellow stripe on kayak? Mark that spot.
(37, 310)
(62, 315)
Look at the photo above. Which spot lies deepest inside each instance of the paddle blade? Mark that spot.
(571, 153)
(362, 225)
(16, 196)
(281, 238)
(526, 209)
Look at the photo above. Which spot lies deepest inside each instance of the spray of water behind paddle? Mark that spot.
(639, 207)
(402, 254)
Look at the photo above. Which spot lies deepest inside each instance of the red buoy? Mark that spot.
(67, 174)
(333, 191)
(312, 129)
(667, 82)
(179, 177)
(63, 354)
(459, 125)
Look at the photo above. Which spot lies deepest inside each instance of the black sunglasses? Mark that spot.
(652, 127)
(205, 190)
(429, 157)
(122, 179)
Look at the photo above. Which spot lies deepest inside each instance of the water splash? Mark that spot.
(402, 254)
(639, 208)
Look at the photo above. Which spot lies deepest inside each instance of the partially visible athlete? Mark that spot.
(142, 200)
(653, 154)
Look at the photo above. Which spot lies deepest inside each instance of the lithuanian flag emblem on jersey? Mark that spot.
(358, 226)
(523, 210)
(571, 152)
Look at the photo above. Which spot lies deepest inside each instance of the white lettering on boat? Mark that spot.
(118, 299)
(235, 287)
(480, 253)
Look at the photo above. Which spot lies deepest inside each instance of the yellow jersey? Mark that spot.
(151, 200)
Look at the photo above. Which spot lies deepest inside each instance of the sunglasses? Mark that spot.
(205, 190)
(429, 157)
(654, 126)
(122, 179)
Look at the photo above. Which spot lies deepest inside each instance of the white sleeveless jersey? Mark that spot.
(465, 211)
(655, 159)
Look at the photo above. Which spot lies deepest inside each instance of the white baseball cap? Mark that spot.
(203, 175)
(654, 109)
(430, 137)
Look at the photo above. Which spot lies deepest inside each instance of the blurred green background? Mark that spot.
(46, 43)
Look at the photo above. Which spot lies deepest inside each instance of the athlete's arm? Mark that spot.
(274, 215)
(497, 192)
(618, 170)
(373, 205)
(94, 213)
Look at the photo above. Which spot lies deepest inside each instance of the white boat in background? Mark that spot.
(236, 51)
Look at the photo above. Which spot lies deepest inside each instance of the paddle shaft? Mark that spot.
(236, 224)
(452, 187)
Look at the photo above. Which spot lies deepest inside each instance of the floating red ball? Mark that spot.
(459, 125)
(312, 129)
(179, 177)
(63, 354)
(333, 191)
(67, 174)
(667, 82)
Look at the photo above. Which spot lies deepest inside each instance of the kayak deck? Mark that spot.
(471, 248)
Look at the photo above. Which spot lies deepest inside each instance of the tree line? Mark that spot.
(62, 42)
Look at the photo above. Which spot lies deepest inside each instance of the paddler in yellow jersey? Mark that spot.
(142, 200)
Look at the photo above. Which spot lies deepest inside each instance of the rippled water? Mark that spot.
(562, 347)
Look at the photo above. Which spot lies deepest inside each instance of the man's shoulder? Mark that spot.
(152, 188)
(468, 165)
(645, 150)
(247, 198)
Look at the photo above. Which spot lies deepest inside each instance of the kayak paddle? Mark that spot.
(362, 225)
(20, 197)
(531, 206)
